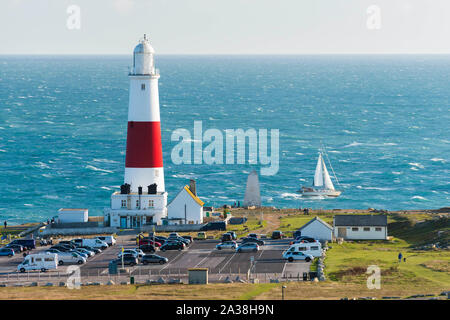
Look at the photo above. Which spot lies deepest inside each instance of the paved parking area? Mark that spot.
(268, 263)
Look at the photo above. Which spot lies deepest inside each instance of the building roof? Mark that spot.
(360, 220)
(72, 210)
(196, 199)
(316, 219)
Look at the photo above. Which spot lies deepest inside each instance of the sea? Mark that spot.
(383, 119)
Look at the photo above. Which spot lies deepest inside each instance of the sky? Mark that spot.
(225, 26)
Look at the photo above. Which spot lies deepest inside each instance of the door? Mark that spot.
(123, 222)
(342, 233)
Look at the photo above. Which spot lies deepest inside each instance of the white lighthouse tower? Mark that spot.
(142, 199)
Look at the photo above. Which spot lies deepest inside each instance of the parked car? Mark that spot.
(233, 235)
(15, 247)
(95, 250)
(160, 239)
(95, 243)
(201, 236)
(226, 245)
(226, 237)
(110, 240)
(86, 251)
(29, 244)
(180, 239)
(70, 244)
(70, 257)
(7, 252)
(304, 239)
(84, 255)
(252, 235)
(277, 234)
(295, 255)
(247, 247)
(154, 258)
(147, 241)
(172, 245)
(190, 238)
(128, 259)
(138, 253)
(254, 240)
(40, 261)
(147, 248)
(61, 248)
(215, 225)
(173, 235)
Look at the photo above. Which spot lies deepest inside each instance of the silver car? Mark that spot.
(226, 245)
(247, 247)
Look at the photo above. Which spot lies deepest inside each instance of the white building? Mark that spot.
(66, 215)
(142, 199)
(186, 207)
(318, 229)
(360, 227)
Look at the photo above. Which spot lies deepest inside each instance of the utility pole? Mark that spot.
(282, 292)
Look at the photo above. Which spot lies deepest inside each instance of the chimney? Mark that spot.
(192, 187)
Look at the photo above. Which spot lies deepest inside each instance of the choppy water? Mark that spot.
(384, 119)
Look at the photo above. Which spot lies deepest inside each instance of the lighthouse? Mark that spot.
(142, 199)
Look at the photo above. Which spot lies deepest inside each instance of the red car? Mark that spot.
(143, 242)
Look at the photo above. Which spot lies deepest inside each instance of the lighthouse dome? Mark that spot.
(144, 47)
(143, 63)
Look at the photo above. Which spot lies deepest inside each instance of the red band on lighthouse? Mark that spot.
(144, 148)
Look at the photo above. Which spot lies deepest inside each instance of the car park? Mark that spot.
(247, 247)
(128, 259)
(253, 240)
(295, 255)
(110, 240)
(154, 258)
(40, 261)
(172, 245)
(226, 245)
(8, 252)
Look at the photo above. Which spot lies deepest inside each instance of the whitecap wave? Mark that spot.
(353, 144)
(438, 160)
(419, 198)
(98, 169)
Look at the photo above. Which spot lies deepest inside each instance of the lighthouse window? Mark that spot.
(143, 86)
(124, 203)
(151, 203)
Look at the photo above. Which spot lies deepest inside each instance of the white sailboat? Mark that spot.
(323, 186)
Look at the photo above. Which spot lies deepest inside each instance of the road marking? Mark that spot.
(173, 260)
(220, 270)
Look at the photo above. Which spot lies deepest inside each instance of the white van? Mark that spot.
(39, 261)
(94, 243)
(70, 257)
(110, 240)
(310, 248)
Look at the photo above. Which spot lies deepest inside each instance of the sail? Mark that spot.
(326, 178)
(318, 175)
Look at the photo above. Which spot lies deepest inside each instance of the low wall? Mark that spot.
(70, 225)
(76, 231)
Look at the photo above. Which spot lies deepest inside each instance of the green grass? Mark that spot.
(257, 289)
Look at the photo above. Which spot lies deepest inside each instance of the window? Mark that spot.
(366, 228)
(151, 203)
(124, 203)
(314, 248)
(377, 229)
(38, 259)
(137, 203)
(355, 229)
(302, 249)
(143, 86)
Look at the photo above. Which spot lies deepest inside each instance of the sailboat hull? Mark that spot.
(321, 193)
